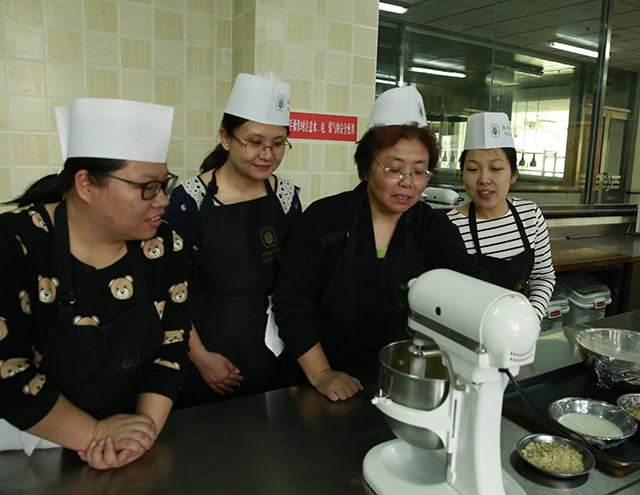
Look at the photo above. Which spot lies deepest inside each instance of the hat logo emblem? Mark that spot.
(495, 130)
(280, 103)
(420, 110)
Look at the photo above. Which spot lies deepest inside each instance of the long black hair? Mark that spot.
(54, 187)
(511, 156)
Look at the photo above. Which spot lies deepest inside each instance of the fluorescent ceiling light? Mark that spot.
(435, 72)
(386, 81)
(573, 49)
(389, 7)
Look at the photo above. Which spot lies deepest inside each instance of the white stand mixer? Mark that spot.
(480, 328)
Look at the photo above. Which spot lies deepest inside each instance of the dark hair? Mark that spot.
(511, 156)
(54, 187)
(379, 138)
(219, 155)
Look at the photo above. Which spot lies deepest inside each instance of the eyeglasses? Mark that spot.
(277, 149)
(152, 188)
(397, 174)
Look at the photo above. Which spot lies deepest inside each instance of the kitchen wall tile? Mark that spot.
(146, 2)
(137, 85)
(223, 33)
(23, 177)
(169, 90)
(200, 123)
(201, 31)
(299, 29)
(101, 16)
(171, 4)
(64, 46)
(24, 41)
(339, 67)
(336, 158)
(338, 98)
(304, 6)
(23, 10)
(366, 13)
(3, 80)
(168, 25)
(341, 10)
(175, 157)
(169, 57)
(299, 61)
(270, 56)
(200, 61)
(297, 159)
(319, 96)
(178, 129)
(102, 83)
(320, 65)
(197, 151)
(136, 21)
(320, 33)
(274, 3)
(365, 41)
(362, 98)
(364, 70)
(301, 94)
(237, 31)
(249, 26)
(271, 25)
(136, 54)
(102, 49)
(5, 145)
(3, 115)
(321, 7)
(223, 90)
(340, 36)
(63, 14)
(202, 6)
(5, 181)
(200, 93)
(26, 78)
(354, 180)
(224, 65)
(333, 183)
(27, 114)
(29, 148)
(224, 8)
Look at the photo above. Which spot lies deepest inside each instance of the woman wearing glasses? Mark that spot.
(236, 216)
(94, 318)
(337, 301)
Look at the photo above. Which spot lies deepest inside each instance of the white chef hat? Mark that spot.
(488, 130)
(118, 129)
(264, 98)
(398, 106)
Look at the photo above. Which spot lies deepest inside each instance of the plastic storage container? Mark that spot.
(588, 298)
(557, 308)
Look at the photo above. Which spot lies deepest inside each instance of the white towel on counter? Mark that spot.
(11, 438)
(271, 338)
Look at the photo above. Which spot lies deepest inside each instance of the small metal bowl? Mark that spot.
(599, 409)
(587, 457)
(631, 404)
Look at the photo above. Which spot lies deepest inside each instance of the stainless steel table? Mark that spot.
(290, 441)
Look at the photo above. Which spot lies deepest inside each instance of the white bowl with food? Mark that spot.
(556, 456)
(631, 404)
(599, 423)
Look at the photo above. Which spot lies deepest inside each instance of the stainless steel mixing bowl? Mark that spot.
(599, 409)
(416, 382)
(614, 354)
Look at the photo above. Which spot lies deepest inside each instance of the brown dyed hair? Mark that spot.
(379, 138)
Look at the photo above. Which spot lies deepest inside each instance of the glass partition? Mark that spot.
(461, 68)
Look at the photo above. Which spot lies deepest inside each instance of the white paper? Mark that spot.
(11, 438)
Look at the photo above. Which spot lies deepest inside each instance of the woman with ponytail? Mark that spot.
(94, 319)
(235, 217)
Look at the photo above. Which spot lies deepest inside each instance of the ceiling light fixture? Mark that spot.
(386, 81)
(395, 9)
(438, 72)
(573, 49)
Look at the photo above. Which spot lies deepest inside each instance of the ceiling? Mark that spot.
(534, 23)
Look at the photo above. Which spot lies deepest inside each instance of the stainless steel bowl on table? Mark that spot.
(613, 353)
(594, 411)
(588, 460)
(631, 404)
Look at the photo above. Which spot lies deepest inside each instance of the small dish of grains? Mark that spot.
(556, 456)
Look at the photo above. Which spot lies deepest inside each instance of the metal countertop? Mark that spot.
(289, 441)
(628, 245)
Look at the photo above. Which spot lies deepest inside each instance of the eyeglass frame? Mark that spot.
(163, 184)
(427, 173)
(287, 146)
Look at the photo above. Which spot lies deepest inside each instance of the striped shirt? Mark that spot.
(500, 238)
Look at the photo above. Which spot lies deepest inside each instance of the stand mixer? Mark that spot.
(479, 329)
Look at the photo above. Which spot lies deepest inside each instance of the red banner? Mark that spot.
(323, 127)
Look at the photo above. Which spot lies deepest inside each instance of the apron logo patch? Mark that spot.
(127, 364)
(268, 236)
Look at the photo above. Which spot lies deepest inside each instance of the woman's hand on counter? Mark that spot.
(103, 455)
(218, 372)
(336, 385)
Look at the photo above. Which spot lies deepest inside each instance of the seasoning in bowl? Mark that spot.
(554, 457)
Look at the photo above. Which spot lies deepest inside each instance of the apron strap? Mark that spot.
(137, 269)
(66, 298)
(473, 228)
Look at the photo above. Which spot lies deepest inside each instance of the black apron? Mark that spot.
(363, 308)
(512, 273)
(97, 367)
(236, 273)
